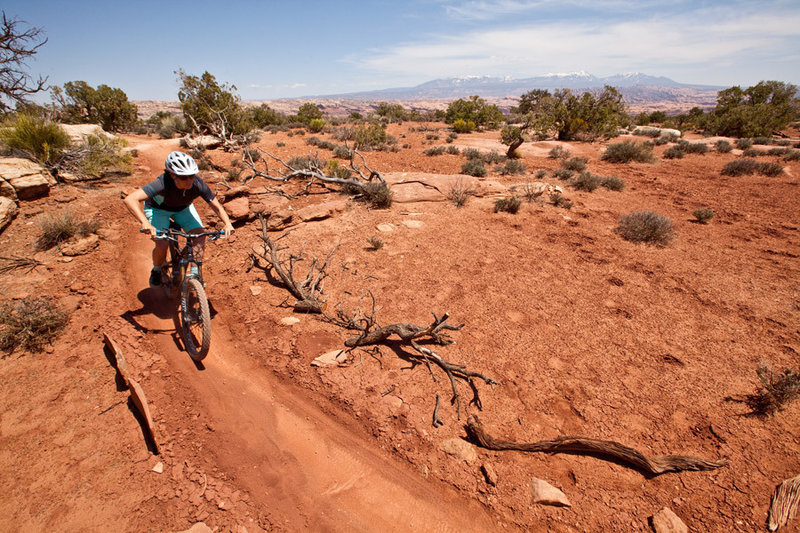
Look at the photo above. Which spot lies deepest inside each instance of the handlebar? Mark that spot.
(170, 234)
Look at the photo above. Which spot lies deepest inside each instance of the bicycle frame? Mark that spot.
(182, 258)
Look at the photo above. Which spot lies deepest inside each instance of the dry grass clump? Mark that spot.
(559, 200)
(647, 227)
(459, 193)
(774, 392)
(531, 192)
(375, 242)
(474, 167)
(512, 167)
(628, 151)
(559, 152)
(30, 323)
(744, 167)
(586, 181)
(578, 164)
(613, 183)
(377, 195)
(59, 227)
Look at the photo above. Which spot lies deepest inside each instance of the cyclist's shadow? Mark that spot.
(155, 302)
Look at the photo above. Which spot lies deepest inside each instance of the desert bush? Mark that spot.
(472, 154)
(578, 164)
(613, 183)
(563, 173)
(59, 227)
(793, 155)
(740, 167)
(540, 174)
(693, 148)
(559, 200)
(463, 126)
(753, 112)
(660, 141)
(369, 136)
(654, 133)
(509, 205)
(432, 136)
(211, 107)
(647, 227)
(762, 140)
(782, 142)
(452, 136)
(474, 110)
(264, 116)
(343, 133)
(773, 392)
(753, 152)
(703, 215)
(335, 170)
(38, 138)
(453, 150)
(233, 174)
(304, 163)
(459, 193)
(674, 152)
(722, 146)
(96, 155)
(743, 144)
(392, 112)
(586, 181)
(530, 192)
(252, 154)
(375, 242)
(559, 152)
(316, 124)
(770, 169)
(377, 194)
(474, 167)
(434, 150)
(778, 151)
(30, 323)
(512, 167)
(627, 151)
(342, 152)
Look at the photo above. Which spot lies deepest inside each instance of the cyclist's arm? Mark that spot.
(217, 207)
(134, 204)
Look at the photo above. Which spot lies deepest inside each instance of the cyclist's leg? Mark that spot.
(160, 220)
(191, 223)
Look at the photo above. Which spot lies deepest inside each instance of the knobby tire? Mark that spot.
(195, 319)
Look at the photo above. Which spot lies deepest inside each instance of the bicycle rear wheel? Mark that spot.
(195, 319)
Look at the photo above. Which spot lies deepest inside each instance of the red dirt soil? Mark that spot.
(588, 335)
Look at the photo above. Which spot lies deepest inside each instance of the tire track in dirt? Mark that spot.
(303, 466)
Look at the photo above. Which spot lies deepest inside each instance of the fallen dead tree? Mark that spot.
(603, 449)
(279, 268)
(784, 504)
(414, 337)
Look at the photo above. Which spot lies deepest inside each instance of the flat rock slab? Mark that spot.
(28, 179)
(385, 227)
(544, 493)
(321, 211)
(81, 246)
(460, 449)
(422, 187)
(238, 208)
(331, 358)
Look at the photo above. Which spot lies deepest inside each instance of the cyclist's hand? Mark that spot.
(149, 228)
(228, 232)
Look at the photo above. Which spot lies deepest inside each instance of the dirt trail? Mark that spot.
(306, 468)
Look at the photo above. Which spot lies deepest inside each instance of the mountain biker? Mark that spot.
(170, 197)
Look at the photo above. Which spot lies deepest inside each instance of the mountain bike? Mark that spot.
(183, 274)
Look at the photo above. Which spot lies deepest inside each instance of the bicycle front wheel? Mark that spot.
(195, 319)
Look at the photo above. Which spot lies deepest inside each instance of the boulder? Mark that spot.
(279, 220)
(203, 142)
(6, 190)
(666, 521)
(321, 211)
(28, 179)
(644, 130)
(544, 493)
(267, 206)
(8, 210)
(238, 208)
(79, 132)
(422, 187)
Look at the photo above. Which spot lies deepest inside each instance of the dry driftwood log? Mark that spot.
(279, 269)
(785, 501)
(415, 337)
(598, 448)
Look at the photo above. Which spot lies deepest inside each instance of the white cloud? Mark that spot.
(705, 37)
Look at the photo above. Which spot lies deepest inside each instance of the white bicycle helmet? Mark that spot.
(181, 164)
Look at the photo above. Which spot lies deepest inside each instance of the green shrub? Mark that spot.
(434, 150)
(38, 138)
(97, 155)
(334, 169)
(628, 151)
(369, 136)
(743, 144)
(432, 136)
(212, 107)
(475, 111)
(586, 181)
(463, 126)
(613, 183)
(578, 164)
(559, 200)
(778, 151)
(703, 215)
(472, 154)
(782, 142)
(540, 174)
(494, 157)
(563, 173)
(59, 227)
(660, 141)
(305, 163)
(647, 227)
(342, 152)
(107, 106)
(753, 112)
(30, 323)
(762, 140)
(722, 146)
(509, 205)
(753, 152)
(693, 148)
(512, 167)
(793, 155)
(774, 392)
(474, 167)
(453, 150)
(264, 116)
(740, 167)
(770, 169)
(452, 136)
(316, 124)
(674, 152)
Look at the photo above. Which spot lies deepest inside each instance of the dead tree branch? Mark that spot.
(603, 449)
(14, 263)
(308, 292)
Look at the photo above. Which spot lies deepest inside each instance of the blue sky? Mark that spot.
(273, 49)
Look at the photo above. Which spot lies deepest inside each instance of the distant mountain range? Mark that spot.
(495, 87)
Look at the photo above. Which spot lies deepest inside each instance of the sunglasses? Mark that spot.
(183, 178)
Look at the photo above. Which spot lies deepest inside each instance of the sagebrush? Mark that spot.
(30, 324)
